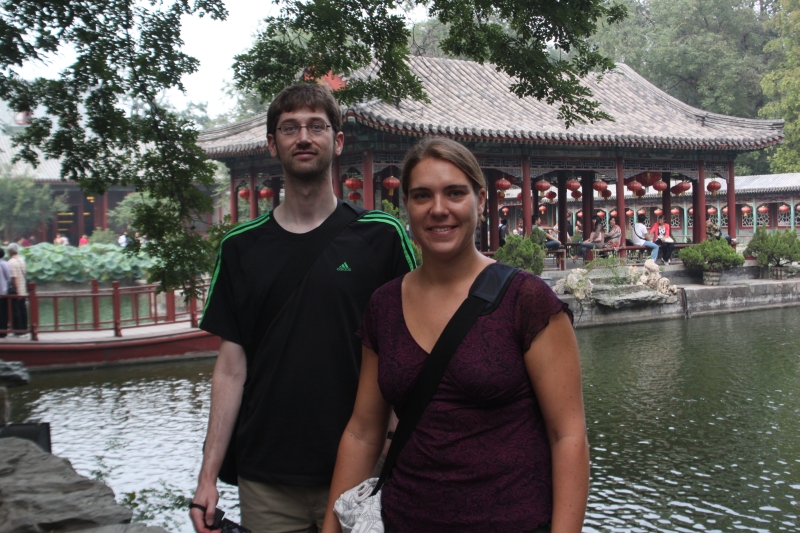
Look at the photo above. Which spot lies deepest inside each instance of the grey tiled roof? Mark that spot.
(470, 100)
(48, 169)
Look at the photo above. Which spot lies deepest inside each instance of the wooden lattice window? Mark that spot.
(747, 220)
(785, 219)
(724, 222)
(690, 221)
(796, 216)
(675, 221)
(763, 219)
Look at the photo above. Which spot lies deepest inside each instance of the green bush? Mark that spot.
(103, 262)
(774, 249)
(538, 236)
(712, 255)
(103, 236)
(522, 253)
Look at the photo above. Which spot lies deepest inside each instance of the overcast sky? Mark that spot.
(214, 43)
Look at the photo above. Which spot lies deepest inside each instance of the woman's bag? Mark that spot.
(359, 509)
(667, 239)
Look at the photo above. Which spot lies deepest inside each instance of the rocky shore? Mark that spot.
(42, 493)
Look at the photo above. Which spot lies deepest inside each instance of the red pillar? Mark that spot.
(234, 201)
(731, 193)
(666, 198)
(494, 232)
(526, 195)
(253, 194)
(336, 178)
(275, 185)
(369, 181)
(620, 191)
(563, 235)
(700, 210)
(586, 205)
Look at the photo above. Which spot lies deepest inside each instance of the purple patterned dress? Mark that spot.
(479, 459)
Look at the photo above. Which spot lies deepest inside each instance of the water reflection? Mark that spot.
(694, 426)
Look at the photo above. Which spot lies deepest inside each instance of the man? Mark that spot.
(713, 231)
(18, 285)
(639, 237)
(5, 281)
(550, 237)
(292, 395)
(503, 231)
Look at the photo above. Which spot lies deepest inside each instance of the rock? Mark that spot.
(124, 528)
(40, 492)
(13, 374)
(615, 301)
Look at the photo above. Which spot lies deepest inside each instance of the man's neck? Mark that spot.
(305, 205)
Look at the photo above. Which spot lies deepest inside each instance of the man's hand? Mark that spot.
(207, 496)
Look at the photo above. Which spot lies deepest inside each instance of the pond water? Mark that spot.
(693, 426)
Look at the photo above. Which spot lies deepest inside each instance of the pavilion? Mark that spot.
(521, 142)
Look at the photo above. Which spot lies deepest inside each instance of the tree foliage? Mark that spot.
(516, 35)
(102, 115)
(521, 253)
(24, 204)
(782, 86)
(778, 248)
(711, 255)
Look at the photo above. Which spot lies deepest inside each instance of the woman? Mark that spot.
(502, 446)
(662, 236)
(595, 239)
(614, 234)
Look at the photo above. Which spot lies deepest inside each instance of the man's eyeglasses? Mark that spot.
(315, 128)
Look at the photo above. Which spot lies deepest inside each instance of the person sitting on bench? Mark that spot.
(595, 239)
(551, 240)
(663, 237)
(639, 237)
(614, 234)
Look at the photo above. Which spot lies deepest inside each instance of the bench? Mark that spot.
(560, 255)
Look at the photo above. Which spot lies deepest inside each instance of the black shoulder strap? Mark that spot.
(295, 271)
(484, 296)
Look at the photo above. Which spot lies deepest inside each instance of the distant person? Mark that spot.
(83, 241)
(614, 234)
(19, 274)
(551, 239)
(713, 231)
(595, 239)
(662, 236)
(33, 240)
(123, 240)
(23, 242)
(639, 237)
(503, 231)
(57, 239)
(5, 283)
(65, 240)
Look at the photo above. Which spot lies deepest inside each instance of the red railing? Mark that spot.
(115, 308)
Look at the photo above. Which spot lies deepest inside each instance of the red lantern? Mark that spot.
(639, 193)
(606, 194)
(391, 183)
(244, 193)
(712, 210)
(713, 187)
(600, 186)
(635, 186)
(519, 196)
(613, 213)
(502, 184)
(569, 215)
(675, 211)
(641, 212)
(354, 196)
(724, 210)
(798, 207)
(542, 186)
(763, 209)
(266, 193)
(580, 214)
(550, 195)
(601, 214)
(542, 208)
(629, 212)
(660, 186)
(658, 212)
(691, 210)
(676, 190)
(504, 210)
(353, 184)
(746, 209)
(573, 184)
(684, 186)
(576, 194)
(784, 208)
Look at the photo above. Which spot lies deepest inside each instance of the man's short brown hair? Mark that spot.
(304, 96)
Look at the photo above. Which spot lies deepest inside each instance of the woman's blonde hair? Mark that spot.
(444, 150)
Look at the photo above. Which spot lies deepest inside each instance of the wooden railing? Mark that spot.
(97, 309)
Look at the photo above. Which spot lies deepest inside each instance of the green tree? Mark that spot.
(782, 86)
(24, 204)
(123, 217)
(707, 53)
(103, 115)
(343, 36)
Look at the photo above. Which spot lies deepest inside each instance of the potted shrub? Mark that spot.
(712, 257)
(774, 250)
(522, 253)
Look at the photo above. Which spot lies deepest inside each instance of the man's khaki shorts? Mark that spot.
(281, 508)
